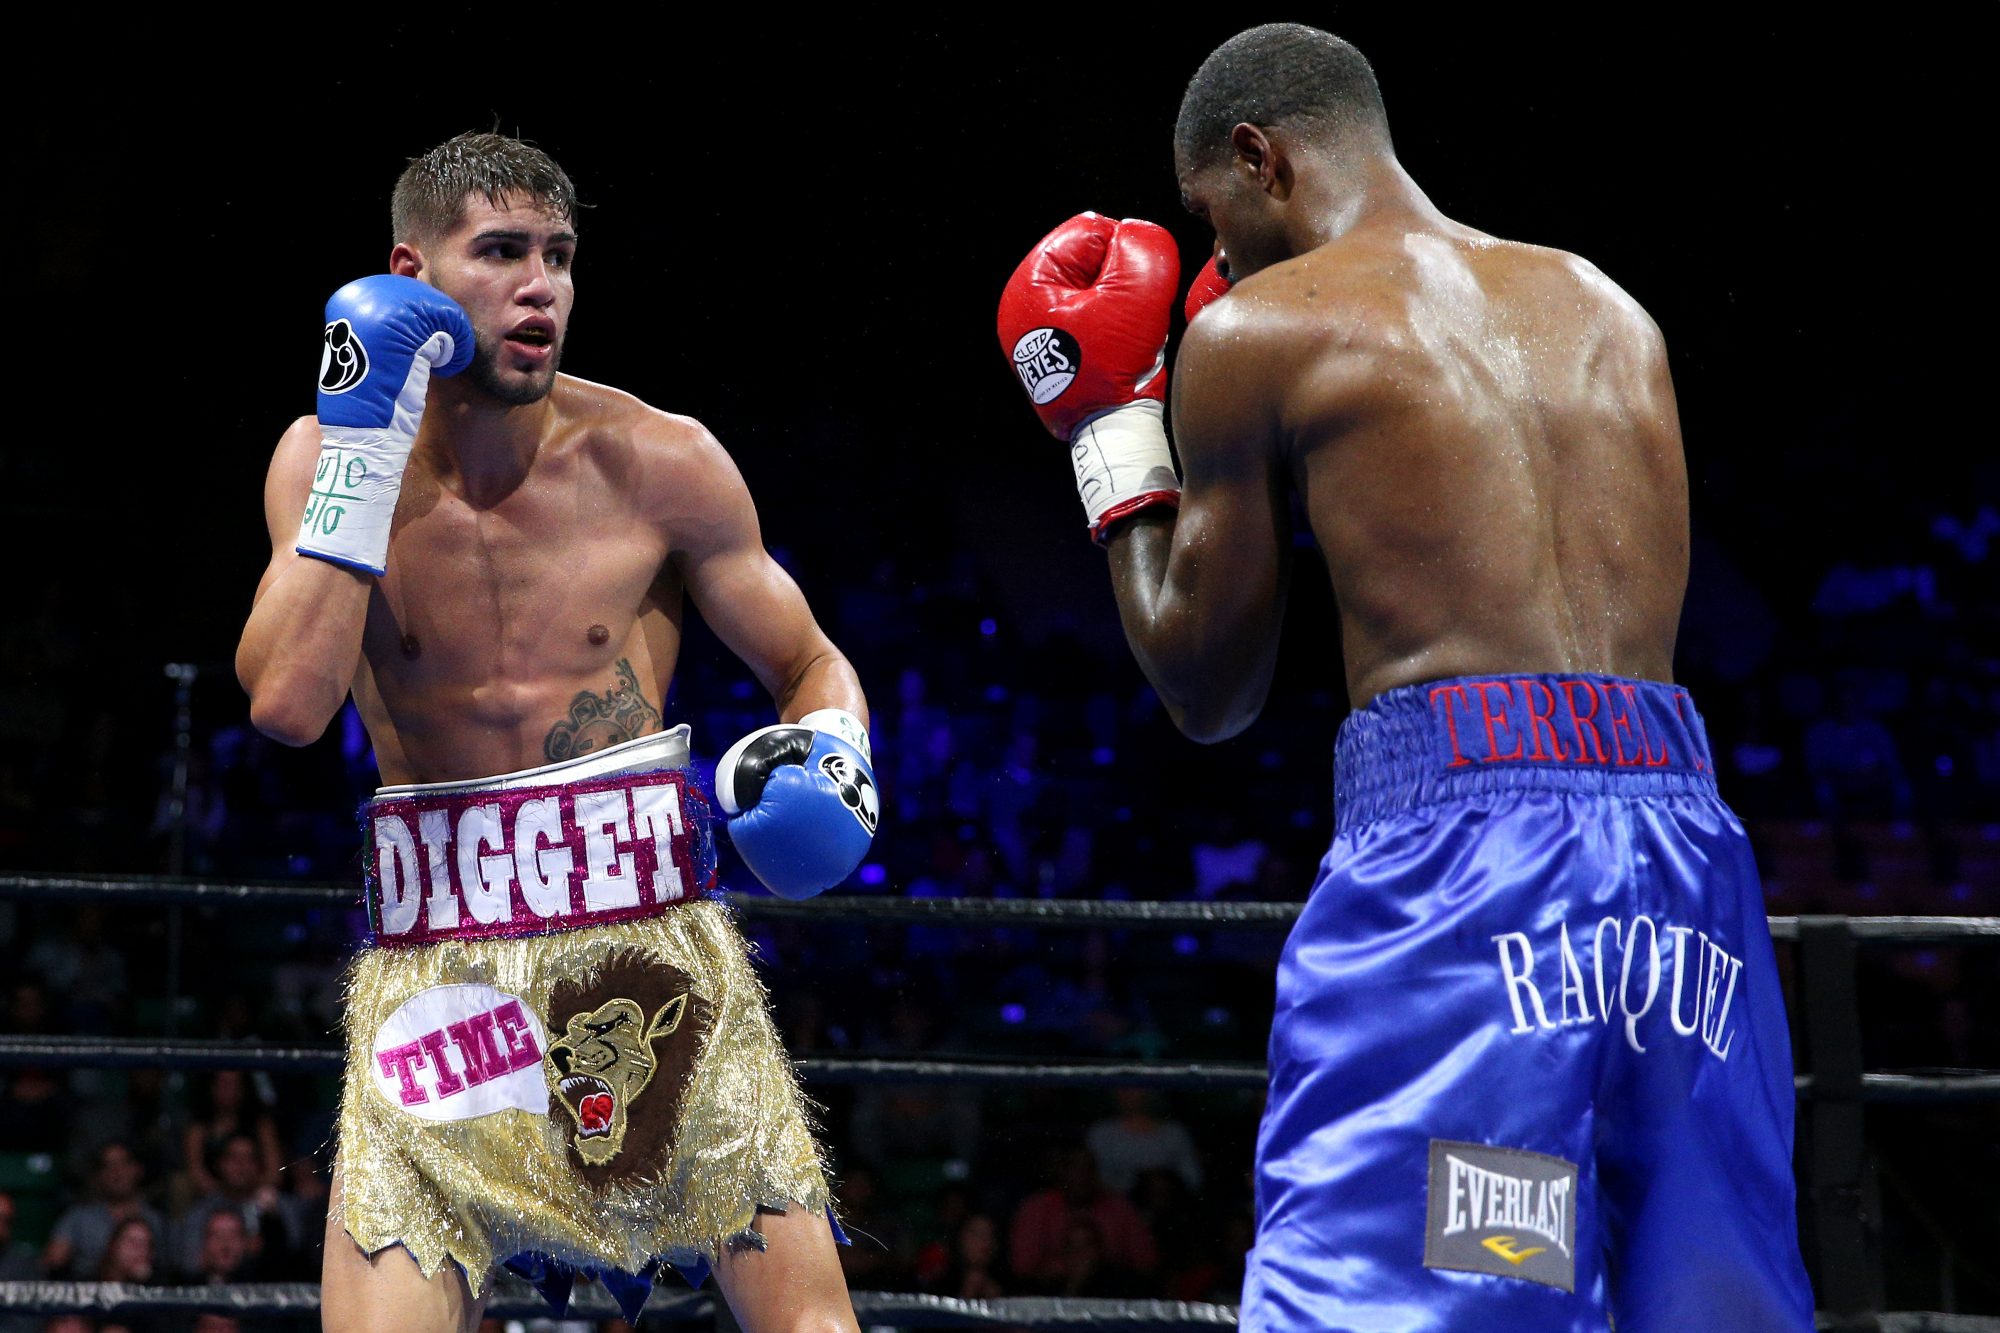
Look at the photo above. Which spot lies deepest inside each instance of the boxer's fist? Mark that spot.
(1084, 318)
(385, 336)
(801, 802)
(1208, 284)
(1084, 323)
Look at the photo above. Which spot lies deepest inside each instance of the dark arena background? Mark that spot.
(797, 232)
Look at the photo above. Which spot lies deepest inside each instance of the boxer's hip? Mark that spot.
(1536, 950)
(1448, 740)
(621, 834)
(525, 1074)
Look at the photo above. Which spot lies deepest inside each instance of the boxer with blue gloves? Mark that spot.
(560, 1060)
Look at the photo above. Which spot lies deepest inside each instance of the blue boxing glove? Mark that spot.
(801, 801)
(384, 336)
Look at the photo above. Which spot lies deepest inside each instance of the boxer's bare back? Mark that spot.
(1483, 435)
(547, 536)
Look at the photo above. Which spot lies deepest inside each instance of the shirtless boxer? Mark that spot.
(559, 1057)
(1529, 1066)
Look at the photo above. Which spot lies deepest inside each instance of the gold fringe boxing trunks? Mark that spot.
(558, 1055)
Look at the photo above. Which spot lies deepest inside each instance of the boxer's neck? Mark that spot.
(1374, 190)
(481, 447)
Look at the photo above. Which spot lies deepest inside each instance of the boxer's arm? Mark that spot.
(1201, 592)
(302, 644)
(746, 597)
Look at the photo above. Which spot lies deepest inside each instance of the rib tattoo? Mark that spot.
(598, 720)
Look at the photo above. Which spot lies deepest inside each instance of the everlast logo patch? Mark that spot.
(1501, 1211)
(1046, 360)
(343, 361)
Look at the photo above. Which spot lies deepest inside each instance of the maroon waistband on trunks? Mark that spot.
(461, 865)
(1442, 739)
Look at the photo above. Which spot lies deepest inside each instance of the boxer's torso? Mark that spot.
(533, 620)
(1485, 437)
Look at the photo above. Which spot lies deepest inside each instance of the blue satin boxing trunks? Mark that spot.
(1530, 1067)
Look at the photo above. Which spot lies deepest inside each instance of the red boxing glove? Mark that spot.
(1208, 284)
(1084, 323)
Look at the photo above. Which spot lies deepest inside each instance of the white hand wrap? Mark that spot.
(839, 722)
(1123, 464)
(352, 505)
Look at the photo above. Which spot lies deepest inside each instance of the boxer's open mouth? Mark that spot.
(593, 1101)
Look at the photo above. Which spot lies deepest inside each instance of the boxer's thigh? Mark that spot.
(1696, 1112)
(363, 1293)
(793, 1284)
(1399, 1057)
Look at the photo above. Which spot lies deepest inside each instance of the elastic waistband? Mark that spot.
(617, 835)
(1445, 739)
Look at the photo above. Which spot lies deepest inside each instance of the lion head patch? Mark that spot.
(633, 1023)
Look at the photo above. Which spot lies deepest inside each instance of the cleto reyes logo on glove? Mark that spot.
(343, 361)
(1046, 359)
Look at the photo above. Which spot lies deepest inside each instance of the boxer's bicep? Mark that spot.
(1204, 612)
(746, 597)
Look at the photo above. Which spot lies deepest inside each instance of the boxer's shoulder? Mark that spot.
(1308, 335)
(670, 460)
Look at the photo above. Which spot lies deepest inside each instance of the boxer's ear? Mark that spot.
(1263, 157)
(405, 260)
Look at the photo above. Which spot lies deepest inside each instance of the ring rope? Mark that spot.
(515, 1300)
(1056, 912)
(1955, 1086)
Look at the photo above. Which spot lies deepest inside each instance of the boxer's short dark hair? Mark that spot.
(1280, 74)
(431, 193)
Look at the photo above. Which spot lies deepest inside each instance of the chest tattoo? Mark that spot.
(598, 720)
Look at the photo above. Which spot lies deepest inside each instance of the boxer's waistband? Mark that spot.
(615, 835)
(1445, 739)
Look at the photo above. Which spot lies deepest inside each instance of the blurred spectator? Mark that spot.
(18, 1263)
(84, 968)
(1852, 762)
(877, 1259)
(1085, 1271)
(129, 1255)
(224, 1249)
(227, 1109)
(31, 1113)
(1137, 1139)
(240, 1189)
(1041, 1247)
(971, 1271)
(131, 1258)
(83, 1233)
(894, 1122)
(303, 1208)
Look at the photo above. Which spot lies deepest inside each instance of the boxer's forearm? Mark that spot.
(826, 680)
(1211, 671)
(301, 647)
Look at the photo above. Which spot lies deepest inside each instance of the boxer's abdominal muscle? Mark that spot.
(545, 627)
